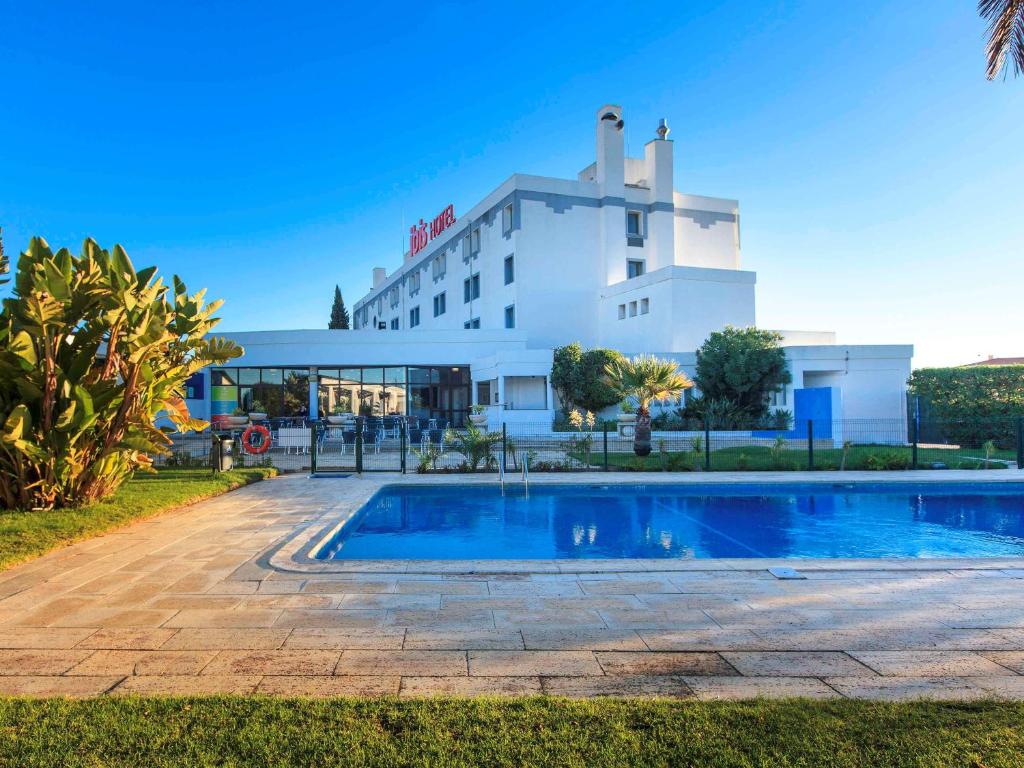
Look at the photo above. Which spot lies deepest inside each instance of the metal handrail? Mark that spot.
(526, 472)
(501, 473)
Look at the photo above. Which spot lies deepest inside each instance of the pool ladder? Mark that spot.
(525, 461)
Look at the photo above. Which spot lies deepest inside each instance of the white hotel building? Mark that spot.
(615, 257)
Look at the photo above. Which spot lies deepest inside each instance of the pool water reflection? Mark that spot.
(676, 521)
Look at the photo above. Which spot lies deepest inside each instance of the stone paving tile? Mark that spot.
(887, 639)
(127, 639)
(529, 663)
(667, 686)
(688, 602)
(289, 601)
(751, 687)
(187, 685)
(1012, 660)
(50, 685)
(351, 619)
(350, 587)
(188, 602)
(334, 685)
(279, 662)
(701, 639)
(795, 664)
(122, 662)
(663, 663)
(238, 618)
(341, 639)
(446, 618)
(652, 619)
(547, 618)
(419, 663)
(582, 639)
(472, 640)
(37, 637)
(470, 686)
(442, 587)
(1009, 687)
(52, 611)
(39, 662)
(114, 617)
(413, 602)
(903, 688)
(249, 639)
(628, 587)
(928, 663)
(536, 588)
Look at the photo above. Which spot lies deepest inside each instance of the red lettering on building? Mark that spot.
(421, 234)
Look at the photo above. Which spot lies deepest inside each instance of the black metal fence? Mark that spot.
(409, 446)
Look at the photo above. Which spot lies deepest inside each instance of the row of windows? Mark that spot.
(633, 308)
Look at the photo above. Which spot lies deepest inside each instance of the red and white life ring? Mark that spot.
(264, 444)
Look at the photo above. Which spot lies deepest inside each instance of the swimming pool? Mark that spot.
(684, 521)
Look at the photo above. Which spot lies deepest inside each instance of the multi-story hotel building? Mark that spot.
(615, 257)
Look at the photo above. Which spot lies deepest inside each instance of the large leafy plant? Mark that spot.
(92, 351)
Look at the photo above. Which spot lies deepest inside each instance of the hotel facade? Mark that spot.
(615, 257)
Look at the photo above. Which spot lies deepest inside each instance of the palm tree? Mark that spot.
(645, 379)
(1005, 34)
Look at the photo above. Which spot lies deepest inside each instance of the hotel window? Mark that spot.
(474, 243)
(474, 323)
(634, 268)
(506, 219)
(438, 266)
(439, 304)
(510, 269)
(393, 297)
(471, 288)
(634, 224)
(414, 317)
(414, 282)
(394, 324)
(645, 306)
(510, 316)
(622, 311)
(632, 309)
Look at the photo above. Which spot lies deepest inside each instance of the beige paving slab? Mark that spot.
(796, 664)
(753, 687)
(1010, 687)
(114, 617)
(247, 639)
(645, 618)
(1012, 660)
(548, 618)
(133, 662)
(663, 663)
(928, 663)
(321, 686)
(39, 637)
(405, 662)
(413, 686)
(700, 639)
(415, 602)
(427, 639)
(29, 662)
(241, 617)
(273, 662)
(128, 638)
(530, 663)
(582, 639)
(906, 688)
(342, 639)
(53, 685)
(347, 587)
(456, 620)
(442, 587)
(647, 686)
(349, 618)
(187, 685)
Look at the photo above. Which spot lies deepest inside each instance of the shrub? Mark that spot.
(971, 405)
(578, 377)
(742, 366)
(92, 352)
(887, 460)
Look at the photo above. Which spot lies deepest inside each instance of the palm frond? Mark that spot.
(646, 378)
(1005, 35)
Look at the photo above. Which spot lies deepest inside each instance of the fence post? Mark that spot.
(606, 446)
(917, 432)
(401, 442)
(1020, 442)
(707, 445)
(810, 444)
(312, 448)
(359, 446)
(504, 447)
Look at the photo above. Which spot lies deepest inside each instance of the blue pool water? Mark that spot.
(685, 521)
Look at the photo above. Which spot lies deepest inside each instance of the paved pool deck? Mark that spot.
(222, 597)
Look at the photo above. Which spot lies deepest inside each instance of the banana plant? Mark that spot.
(92, 351)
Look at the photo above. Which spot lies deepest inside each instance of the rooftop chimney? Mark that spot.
(379, 276)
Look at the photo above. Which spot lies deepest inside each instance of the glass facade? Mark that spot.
(429, 392)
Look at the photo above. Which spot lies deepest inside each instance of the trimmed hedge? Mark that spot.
(972, 405)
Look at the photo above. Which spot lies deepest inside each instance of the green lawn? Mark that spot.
(758, 458)
(24, 535)
(529, 732)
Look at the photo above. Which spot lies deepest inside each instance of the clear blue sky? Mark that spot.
(269, 152)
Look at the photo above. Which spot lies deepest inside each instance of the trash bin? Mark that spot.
(220, 453)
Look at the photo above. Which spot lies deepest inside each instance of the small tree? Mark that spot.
(339, 315)
(742, 366)
(91, 352)
(645, 379)
(579, 377)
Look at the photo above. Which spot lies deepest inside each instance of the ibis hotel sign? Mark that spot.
(421, 234)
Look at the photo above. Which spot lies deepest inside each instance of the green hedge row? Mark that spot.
(972, 405)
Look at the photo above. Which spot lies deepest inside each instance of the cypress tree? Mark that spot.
(339, 315)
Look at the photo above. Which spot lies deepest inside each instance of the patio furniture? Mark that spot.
(293, 437)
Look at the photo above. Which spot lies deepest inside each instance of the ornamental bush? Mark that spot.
(742, 367)
(91, 352)
(578, 377)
